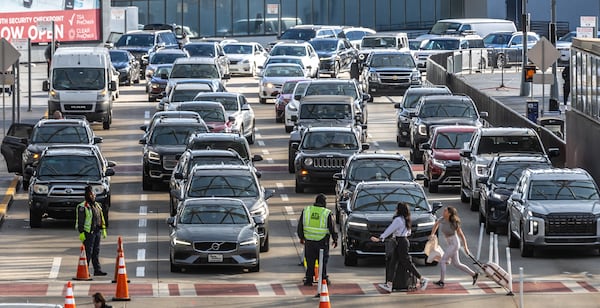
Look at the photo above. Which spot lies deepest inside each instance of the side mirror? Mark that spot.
(29, 171)
(397, 105)
(109, 172)
(258, 220)
(45, 86)
(338, 176)
(178, 175)
(145, 62)
(226, 77)
(142, 141)
(483, 114)
(553, 152)
(483, 179)
(465, 153)
(294, 118)
(258, 174)
(436, 206)
(294, 145)
(231, 119)
(257, 157)
(365, 146)
(245, 107)
(97, 140)
(144, 127)
(109, 45)
(366, 97)
(170, 221)
(298, 97)
(269, 193)
(425, 146)
(517, 197)
(420, 177)
(111, 163)
(112, 86)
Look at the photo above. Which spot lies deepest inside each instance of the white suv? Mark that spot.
(309, 56)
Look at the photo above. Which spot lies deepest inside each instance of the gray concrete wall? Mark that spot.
(582, 134)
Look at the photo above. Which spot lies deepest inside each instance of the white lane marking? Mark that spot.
(289, 210)
(55, 268)
(284, 197)
(264, 289)
(266, 152)
(375, 143)
(381, 150)
(574, 286)
(142, 223)
(141, 254)
(147, 114)
(162, 289)
(141, 237)
(81, 291)
(270, 160)
(293, 223)
(187, 289)
(144, 197)
(143, 210)
(140, 271)
(279, 185)
(257, 136)
(260, 143)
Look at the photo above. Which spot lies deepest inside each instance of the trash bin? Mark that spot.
(554, 124)
(532, 110)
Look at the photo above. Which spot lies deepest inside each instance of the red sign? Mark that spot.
(69, 25)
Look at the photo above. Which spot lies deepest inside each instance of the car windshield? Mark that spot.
(215, 160)
(165, 58)
(207, 113)
(326, 111)
(324, 45)
(69, 166)
(451, 140)
(180, 95)
(378, 42)
(298, 34)
(221, 145)
(509, 174)
(355, 35)
(283, 71)
(434, 44)
(118, 56)
(563, 190)
(411, 98)
(382, 60)
(285, 60)
(230, 103)
(497, 39)
(60, 134)
(329, 140)
(78, 78)
(203, 71)
(144, 40)
(222, 214)
(172, 134)
(285, 50)
(239, 49)
(447, 110)
(502, 144)
(346, 89)
(441, 28)
(230, 185)
(380, 170)
(386, 199)
(201, 50)
(162, 70)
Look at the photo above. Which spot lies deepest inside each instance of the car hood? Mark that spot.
(546, 207)
(449, 121)
(251, 203)
(563, 44)
(325, 122)
(121, 64)
(325, 54)
(329, 153)
(238, 57)
(278, 80)
(137, 49)
(167, 149)
(392, 69)
(446, 154)
(385, 218)
(225, 233)
(40, 147)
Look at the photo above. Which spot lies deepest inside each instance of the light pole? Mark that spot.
(525, 86)
(554, 86)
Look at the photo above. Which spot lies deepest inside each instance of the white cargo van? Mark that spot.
(82, 83)
(479, 26)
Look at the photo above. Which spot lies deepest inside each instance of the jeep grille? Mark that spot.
(329, 162)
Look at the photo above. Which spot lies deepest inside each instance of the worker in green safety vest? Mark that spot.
(315, 227)
(91, 225)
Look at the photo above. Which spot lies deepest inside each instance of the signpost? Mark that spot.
(543, 54)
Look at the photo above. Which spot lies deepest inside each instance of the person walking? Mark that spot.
(566, 75)
(399, 230)
(99, 301)
(91, 225)
(315, 227)
(449, 225)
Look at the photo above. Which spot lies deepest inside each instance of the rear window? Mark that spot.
(60, 134)
(239, 147)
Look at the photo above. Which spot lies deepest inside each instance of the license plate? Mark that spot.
(214, 258)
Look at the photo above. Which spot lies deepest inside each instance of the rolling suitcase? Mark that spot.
(495, 273)
(404, 280)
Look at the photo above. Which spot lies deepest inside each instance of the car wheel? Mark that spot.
(299, 188)
(474, 203)
(262, 100)
(256, 268)
(425, 182)
(252, 136)
(106, 123)
(265, 246)
(337, 215)
(501, 61)
(172, 210)
(146, 183)
(175, 268)
(35, 218)
(151, 99)
(128, 82)
(25, 185)
(350, 259)
(481, 217)
(488, 226)
(433, 187)
(291, 158)
(336, 69)
(526, 249)
(288, 129)
(513, 242)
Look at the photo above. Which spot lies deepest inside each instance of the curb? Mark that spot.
(8, 198)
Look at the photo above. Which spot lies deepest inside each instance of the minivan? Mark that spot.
(481, 27)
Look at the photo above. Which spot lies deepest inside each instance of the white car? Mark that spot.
(304, 50)
(355, 35)
(274, 76)
(291, 109)
(245, 58)
(286, 59)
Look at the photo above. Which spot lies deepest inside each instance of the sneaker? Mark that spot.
(439, 283)
(475, 278)
(99, 273)
(307, 282)
(424, 282)
(386, 287)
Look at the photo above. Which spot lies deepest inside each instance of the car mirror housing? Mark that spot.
(435, 206)
(517, 197)
(420, 177)
(109, 172)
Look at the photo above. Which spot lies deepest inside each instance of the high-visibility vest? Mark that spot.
(315, 222)
(87, 224)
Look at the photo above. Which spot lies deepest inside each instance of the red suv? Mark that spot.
(441, 155)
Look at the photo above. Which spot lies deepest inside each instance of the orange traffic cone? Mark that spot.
(122, 293)
(83, 272)
(324, 301)
(119, 250)
(316, 274)
(69, 298)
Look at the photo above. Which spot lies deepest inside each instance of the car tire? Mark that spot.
(473, 203)
(299, 188)
(252, 136)
(151, 99)
(256, 268)
(501, 61)
(291, 158)
(350, 259)
(129, 81)
(175, 268)
(513, 242)
(146, 183)
(526, 249)
(336, 69)
(262, 100)
(488, 226)
(288, 129)
(265, 246)
(433, 187)
(35, 218)
(25, 185)
(106, 124)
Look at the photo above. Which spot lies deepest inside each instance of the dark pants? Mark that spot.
(404, 259)
(311, 253)
(92, 249)
(566, 92)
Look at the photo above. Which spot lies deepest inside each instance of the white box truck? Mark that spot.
(82, 82)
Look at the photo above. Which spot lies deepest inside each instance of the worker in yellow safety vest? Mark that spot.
(91, 225)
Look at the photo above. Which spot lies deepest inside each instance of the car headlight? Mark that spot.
(30, 157)
(425, 224)
(481, 170)
(101, 95)
(98, 189)
(260, 210)
(440, 162)
(415, 76)
(155, 86)
(373, 76)
(292, 107)
(54, 95)
(40, 189)
(422, 129)
(499, 196)
(361, 56)
(248, 242)
(357, 225)
(327, 59)
(246, 61)
(269, 85)
(308, 161)
(177, 241)
(153, 156)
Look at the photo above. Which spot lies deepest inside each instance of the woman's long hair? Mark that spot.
(453, 217)
(403, 210)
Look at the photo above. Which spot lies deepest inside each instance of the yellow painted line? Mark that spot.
(10, 192)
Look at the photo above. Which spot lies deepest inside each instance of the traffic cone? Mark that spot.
(69, 298)
(122, 293)
(119, 250)
(83, 272)
(324, 301)
(316, 272)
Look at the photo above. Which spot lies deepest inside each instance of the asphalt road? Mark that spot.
(35, 264)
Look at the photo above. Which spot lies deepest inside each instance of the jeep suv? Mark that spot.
(389, 72)
(24, 143)
(223, 141)
(485, 144)
(143, 43)
(165, 140)
(58, 181)
(371, 210)
(496, 188)
(322, 152)
(554, 208)
(436, 110)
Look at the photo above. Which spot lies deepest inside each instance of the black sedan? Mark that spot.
(214, 232)
(336, 55)
(127, 66)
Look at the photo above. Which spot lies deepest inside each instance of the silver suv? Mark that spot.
(554, 208)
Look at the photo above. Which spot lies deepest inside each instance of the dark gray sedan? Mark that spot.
(214, 232)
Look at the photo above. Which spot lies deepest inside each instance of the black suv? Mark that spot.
(223, 141)
(303, 33)
(369, 167)
(370, 211)
(322, 152)
(143, 43)
(496, 188)
(389, 72)
(437, 110)
(59, 179)
(408, 106)
(336, 55)
(165, 140)
(23, 143)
